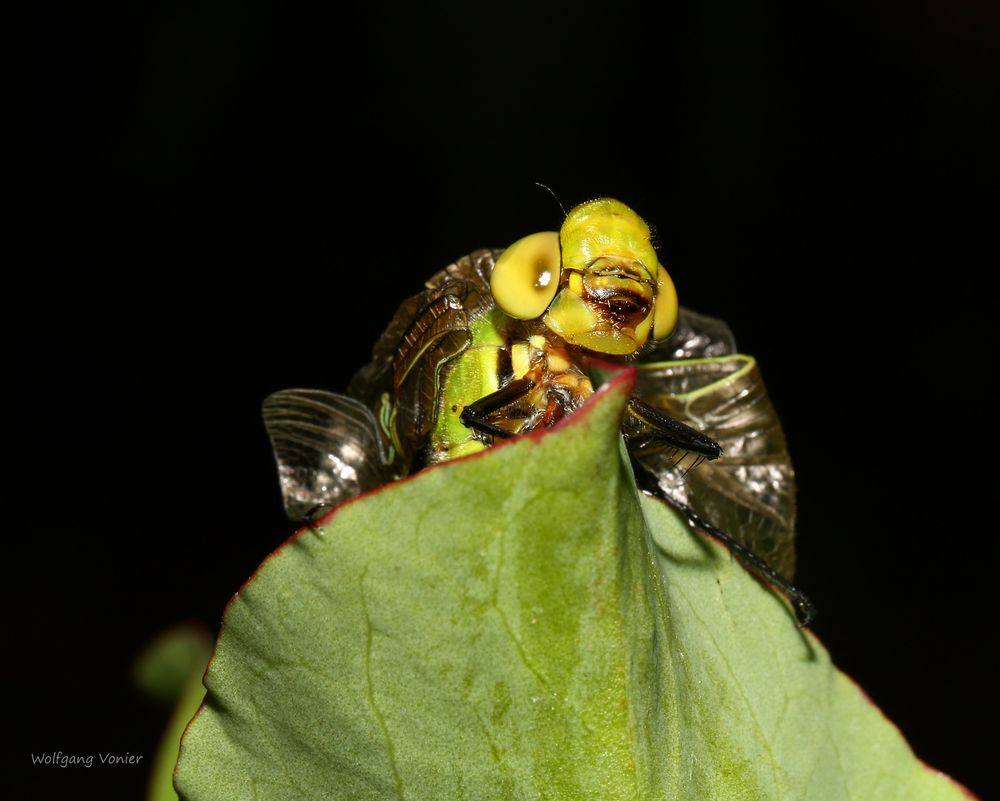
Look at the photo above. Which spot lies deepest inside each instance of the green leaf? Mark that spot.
(521, 625)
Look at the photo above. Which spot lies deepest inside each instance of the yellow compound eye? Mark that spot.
(665, 310)
(526, 276)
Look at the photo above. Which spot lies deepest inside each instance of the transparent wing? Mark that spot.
(327, 448)
(749, 492)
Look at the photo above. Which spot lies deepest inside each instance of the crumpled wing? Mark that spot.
(438, 334)
(696, 336)
(474, 270)
(749, 492)
(427, 332)
(467, 280)
(327, 448)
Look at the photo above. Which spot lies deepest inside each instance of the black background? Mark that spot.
(215, 186)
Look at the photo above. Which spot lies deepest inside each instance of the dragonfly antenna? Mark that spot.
(554, 195)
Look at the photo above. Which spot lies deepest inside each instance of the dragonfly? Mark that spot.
(502, 342)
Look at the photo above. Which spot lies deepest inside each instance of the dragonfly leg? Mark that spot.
(474, 415)
(647, 426)
(805, 611)
(315, 513)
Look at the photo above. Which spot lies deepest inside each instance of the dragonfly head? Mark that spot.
(597, 283)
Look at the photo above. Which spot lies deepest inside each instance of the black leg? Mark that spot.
(804, 609)
(645, 426)
(474, 415)
(314, 514)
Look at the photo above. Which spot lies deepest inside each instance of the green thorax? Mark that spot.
(450, 346)
(477, 372)
(501, 349)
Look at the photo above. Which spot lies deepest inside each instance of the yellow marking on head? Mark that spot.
(666, 308)
(526, 276)
(598, 283)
